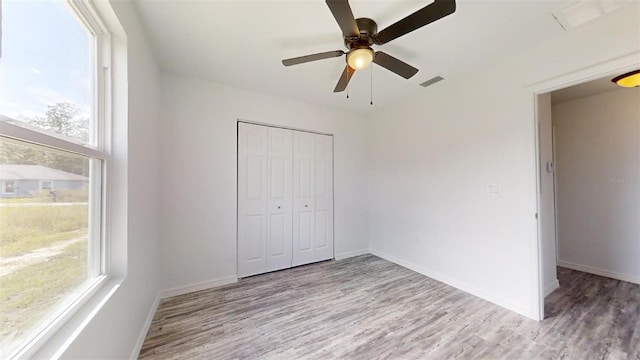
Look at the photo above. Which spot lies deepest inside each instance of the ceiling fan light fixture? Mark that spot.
(360, 58)
(362, 33)
(628, 80)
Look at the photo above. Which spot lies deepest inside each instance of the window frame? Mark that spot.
(98, 147)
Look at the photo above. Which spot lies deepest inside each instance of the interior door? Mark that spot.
(323, 234)
(252, 199)
(303, 198)
(280, 205)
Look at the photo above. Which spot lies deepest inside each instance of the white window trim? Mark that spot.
(104, 284)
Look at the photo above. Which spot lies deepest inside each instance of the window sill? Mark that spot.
(53, 340)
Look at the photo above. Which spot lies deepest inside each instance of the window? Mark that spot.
(46, 185)
(53, 136)
(9, 186)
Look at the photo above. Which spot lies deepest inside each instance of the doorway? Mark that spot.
(589, 196)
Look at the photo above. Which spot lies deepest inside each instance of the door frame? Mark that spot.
(609, 68)
(333, 174)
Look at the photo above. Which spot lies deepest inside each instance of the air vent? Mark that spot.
(579, 12)
(432, 81)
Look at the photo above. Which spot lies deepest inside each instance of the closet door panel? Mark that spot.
(303, 198)
(280, 206)
(252, 199)
(278, 238)
(323, 235)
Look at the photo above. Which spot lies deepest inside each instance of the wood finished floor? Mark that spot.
(368, 308)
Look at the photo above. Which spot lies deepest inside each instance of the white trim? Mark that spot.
(494, 298)
(348, 254)
(610, 67)
(537, 266)
(180, 290)
(597, 271)
(281, 127)
(607, 68)
(145, 327)
(102, 286)
(203, 285)
(551, 287)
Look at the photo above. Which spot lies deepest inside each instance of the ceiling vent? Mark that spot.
(579, 12)
(432, 81)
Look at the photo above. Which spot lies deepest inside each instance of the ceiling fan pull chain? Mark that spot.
(371, 103)
(347, 90)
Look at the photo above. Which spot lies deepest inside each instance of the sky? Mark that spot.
(46, 58)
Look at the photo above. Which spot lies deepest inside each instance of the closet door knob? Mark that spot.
(305, 205)
(278, 207)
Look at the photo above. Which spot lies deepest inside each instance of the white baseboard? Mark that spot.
(145, 328)
(197, 286)
(496, 299)
(551, 287)
(348, 254)
(601, 272)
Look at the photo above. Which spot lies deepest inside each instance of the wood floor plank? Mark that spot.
(369, 308)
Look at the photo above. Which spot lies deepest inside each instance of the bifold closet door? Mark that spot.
(252, 199)
(312, 198)
(323, 236)
(264, 199)
(279, 202)
(285, 198)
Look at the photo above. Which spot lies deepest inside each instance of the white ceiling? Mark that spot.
(242, 43)
(579, 91)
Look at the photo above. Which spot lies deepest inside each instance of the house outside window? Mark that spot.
(54, 135)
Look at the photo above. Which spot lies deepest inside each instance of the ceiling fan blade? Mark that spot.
(344, 16)
(428, 14)
(344, 79)
(397, 66)
(312, 57)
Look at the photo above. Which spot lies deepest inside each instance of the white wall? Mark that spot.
(112, 332)
(547, 211)
(598, 183)
(432, 157)
(198, 184)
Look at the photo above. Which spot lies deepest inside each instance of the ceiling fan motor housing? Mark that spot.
(368, 29)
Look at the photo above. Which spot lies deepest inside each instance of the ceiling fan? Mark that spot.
(360, 34)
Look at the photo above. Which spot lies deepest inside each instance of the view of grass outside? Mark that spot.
(43, 257)
(43, 238)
